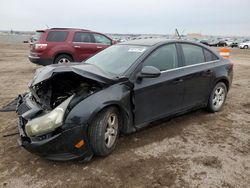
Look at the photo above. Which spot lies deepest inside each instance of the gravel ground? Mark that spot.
(198, 149)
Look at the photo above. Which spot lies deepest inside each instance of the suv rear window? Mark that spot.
(57, 36)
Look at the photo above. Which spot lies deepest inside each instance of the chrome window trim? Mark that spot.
(84, 42)
(187, 66)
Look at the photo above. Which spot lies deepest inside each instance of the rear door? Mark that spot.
(157, 97)
(84, 45)
(197, 72)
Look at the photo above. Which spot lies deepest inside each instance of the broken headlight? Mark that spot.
(48, 122)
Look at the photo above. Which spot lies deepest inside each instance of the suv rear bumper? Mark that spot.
(40, 61)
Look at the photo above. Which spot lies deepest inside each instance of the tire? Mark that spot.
(245, 47)
(104, 131)
(63, 58)
(217, 97)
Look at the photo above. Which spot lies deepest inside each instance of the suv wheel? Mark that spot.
(63, 59)
(245, 47)
(217, 97)
(104, 130)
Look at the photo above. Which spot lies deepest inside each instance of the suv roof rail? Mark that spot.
(58, 28)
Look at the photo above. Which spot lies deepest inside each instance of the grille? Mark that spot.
(23, 108)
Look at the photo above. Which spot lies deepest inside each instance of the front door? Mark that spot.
(157, 97)
(101, 41)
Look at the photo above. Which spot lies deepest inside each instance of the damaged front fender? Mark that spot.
(118, 95)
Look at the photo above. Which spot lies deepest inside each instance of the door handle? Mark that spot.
(178, 80)
(99, 47)
(77, 46)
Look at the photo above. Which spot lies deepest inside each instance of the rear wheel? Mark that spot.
(245, 47)
(63, 59)
(104, 131)
(217, 97)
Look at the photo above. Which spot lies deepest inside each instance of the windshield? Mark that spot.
(117, 59)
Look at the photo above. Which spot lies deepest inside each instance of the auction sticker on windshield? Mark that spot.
(138, 50)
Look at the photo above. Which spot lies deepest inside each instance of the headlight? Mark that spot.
(48, 122)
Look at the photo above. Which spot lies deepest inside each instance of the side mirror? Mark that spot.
(113, 42)
(149, 72)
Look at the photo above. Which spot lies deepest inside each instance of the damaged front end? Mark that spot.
(43, 110)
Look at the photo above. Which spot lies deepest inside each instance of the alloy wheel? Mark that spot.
(111, 130)
(219, 97)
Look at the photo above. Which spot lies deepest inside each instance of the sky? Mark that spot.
(211, 17)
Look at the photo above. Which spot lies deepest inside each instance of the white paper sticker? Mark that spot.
(137, 50)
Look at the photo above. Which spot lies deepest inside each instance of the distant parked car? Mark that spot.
(63, 45)
(220, 43)
(244, 45)
(205, 42)
(234, 45)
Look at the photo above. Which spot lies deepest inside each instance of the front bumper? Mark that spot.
(53, 146)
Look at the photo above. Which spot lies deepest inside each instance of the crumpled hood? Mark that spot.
(86, 70)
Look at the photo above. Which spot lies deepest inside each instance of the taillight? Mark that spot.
(40, 46)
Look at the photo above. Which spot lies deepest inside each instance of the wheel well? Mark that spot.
(63, 54)
(125, 120)
(225, 81)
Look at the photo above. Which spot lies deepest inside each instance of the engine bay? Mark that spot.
(52, 92)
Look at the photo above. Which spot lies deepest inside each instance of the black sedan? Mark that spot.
(77, 110)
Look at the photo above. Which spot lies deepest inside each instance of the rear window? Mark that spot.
(209, 56)
(57, 36)
(193, 54)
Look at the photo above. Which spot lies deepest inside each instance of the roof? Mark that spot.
(147, 42)
(152, 42)
(69, 29)
(74, 29)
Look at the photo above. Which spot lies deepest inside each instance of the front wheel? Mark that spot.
(217, 97)
(104, 131)
(245, 47)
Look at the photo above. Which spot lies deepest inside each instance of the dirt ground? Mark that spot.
(199, 149)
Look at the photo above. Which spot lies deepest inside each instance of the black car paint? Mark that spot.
(137, 99)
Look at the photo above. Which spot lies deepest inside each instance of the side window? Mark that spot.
(57, 36)
(82, 37)
(192, 54)
(209, 56)
(102, 39)
(163, 58)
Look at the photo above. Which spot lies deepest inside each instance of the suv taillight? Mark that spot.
(40, 46)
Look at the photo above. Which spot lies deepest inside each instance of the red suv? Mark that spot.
(63, 45)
